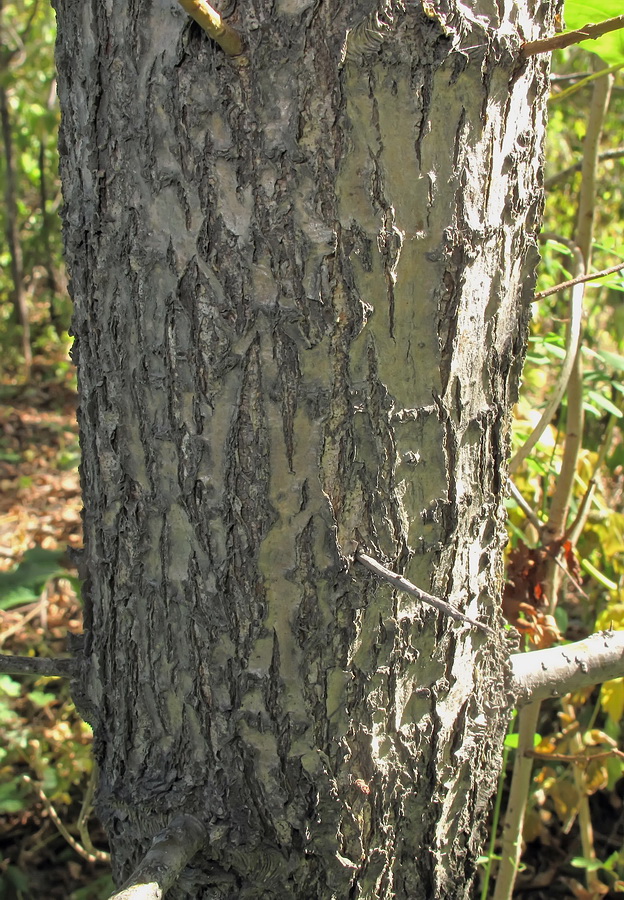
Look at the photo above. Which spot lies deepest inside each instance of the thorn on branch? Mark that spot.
(398, 581)
(561, 670)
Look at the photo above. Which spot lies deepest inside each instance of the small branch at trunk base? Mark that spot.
(588, 32)
(161, 866)
(90, 855)
(35, 665)
(209, 19)
(560, 670)
(404, 585)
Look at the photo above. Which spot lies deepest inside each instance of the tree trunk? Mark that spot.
(301, 283)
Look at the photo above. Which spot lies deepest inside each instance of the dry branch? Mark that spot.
(591, 31)
(404, 585)
(616, 153)
(90, 854)
(560, 670)
(171, 850)
(209, 19)
(581, 279)
(35, 665)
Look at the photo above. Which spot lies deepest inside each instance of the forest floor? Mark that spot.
(41, 736)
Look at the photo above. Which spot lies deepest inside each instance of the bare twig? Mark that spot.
(591, 31)
(580, 279)
(36, 665)
(511, 838)
(524, 506)
(583, 812)
(555, 527)
(617, 153)
(85, 812)
(573, 532)
(90, 855)
(160, 868)
(579, 85)
(34, 611)
(404, 585)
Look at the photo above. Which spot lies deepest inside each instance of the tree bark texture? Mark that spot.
(301, 287)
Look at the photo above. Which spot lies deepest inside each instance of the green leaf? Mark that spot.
(614, 360)
(9, 686)
(592, 410)
(18, 879)
(19, 596)
(611, 861)
(95, 890)
(24, 583)
(511, 741)
(555, 350)
(605, 403)
(11, 799)
(561, 618)
(41, 698)
(50, 781)
(600, 578)
(609, 47)
(590, 865)
(483, 860)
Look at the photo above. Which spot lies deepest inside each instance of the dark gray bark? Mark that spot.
(301, 291)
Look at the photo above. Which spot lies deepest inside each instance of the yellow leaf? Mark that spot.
(611, 534)
(565, 796)
(595, 737)
(596, 777)
(612, 698)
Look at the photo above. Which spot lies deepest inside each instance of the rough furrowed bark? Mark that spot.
(301, 290)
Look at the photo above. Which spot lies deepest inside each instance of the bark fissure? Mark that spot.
(298, 320)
